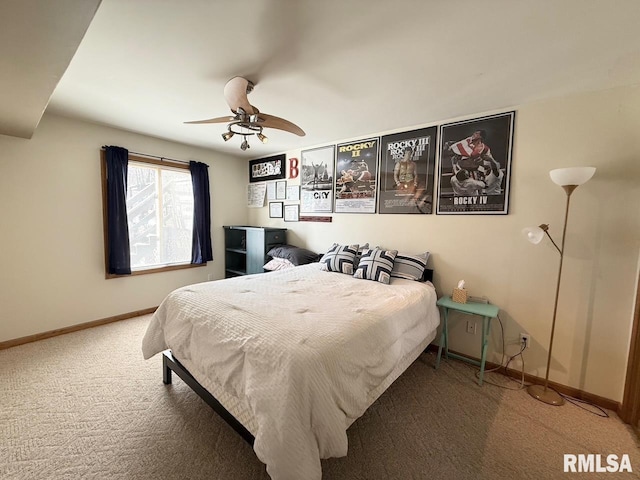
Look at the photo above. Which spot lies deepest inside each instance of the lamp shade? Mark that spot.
(533, 234)
(572, 175)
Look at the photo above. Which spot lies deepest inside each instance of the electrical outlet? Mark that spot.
(471, 327)
(524, 338)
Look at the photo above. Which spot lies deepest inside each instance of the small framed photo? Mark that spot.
(275, 209)
(271, 191)
(281, 190)
(293, 193)
(291, 213)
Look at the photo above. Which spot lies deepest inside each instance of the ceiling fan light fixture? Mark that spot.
(247, 119)
(227, 135)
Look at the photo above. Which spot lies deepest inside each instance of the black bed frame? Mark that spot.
(169, 364)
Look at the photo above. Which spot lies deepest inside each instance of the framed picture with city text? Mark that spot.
(474, 169)
(316, 180)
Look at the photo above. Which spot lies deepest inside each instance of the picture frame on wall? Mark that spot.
(407, 169)
(271, 190)
(357, 176)
(316, 180)
(281, 190)
(291, 213)
(293, 193)
(275, 209)
(474, 170)
(268, 168)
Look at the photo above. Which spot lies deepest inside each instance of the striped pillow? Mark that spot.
(409, 267)
(376, 264)
(359, 254)
(339, 258)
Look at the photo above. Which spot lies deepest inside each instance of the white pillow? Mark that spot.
(278, 264)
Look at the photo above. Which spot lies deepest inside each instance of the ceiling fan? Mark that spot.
(247, 120)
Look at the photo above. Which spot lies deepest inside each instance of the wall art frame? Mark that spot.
(407, 168)
(275, 209)
(268, 168)
(474, 168)
(316, 179)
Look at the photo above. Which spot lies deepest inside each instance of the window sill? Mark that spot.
(167, 268)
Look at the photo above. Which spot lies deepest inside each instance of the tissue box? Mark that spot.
(459, 295)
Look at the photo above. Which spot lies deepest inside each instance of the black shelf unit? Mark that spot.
(246, 248)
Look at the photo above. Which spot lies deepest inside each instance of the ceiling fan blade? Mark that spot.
(271, 121)
(214, 120)
(235, 93)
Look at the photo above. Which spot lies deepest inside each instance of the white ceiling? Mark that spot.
(31, 64)
(339, 68)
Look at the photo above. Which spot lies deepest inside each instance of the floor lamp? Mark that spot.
(569, 179)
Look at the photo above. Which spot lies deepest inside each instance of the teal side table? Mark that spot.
(485, 310)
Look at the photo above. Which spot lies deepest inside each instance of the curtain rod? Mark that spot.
(159, 158)
(156, 156)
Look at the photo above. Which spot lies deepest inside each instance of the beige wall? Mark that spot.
(51, 241)
(489, 252)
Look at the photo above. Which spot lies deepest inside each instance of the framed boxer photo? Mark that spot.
(475, 166)
(407, 166)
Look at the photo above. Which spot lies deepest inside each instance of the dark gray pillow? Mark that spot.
(296, 255)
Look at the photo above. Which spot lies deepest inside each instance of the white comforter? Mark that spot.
(305, 349)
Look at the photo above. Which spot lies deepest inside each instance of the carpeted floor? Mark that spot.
(86, 405)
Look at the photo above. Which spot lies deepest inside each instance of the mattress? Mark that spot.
(296, 355)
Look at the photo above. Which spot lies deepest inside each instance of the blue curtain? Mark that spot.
(201, 244)
(117, 159)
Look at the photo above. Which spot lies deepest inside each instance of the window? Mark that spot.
(160, 215)
(160, 210)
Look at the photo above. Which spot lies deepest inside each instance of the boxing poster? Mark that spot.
(407, 166)
(475, 165)
(356, 176)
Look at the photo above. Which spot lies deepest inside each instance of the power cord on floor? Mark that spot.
(522, 385)
(600, 412)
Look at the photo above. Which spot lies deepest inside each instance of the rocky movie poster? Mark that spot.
(475, 166)
(407, 167)
(356, 176)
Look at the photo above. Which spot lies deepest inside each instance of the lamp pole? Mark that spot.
(569, 179)
(546, 395)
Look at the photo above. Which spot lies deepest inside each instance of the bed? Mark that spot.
(294, 356)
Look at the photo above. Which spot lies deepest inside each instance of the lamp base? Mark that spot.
(547, 395)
